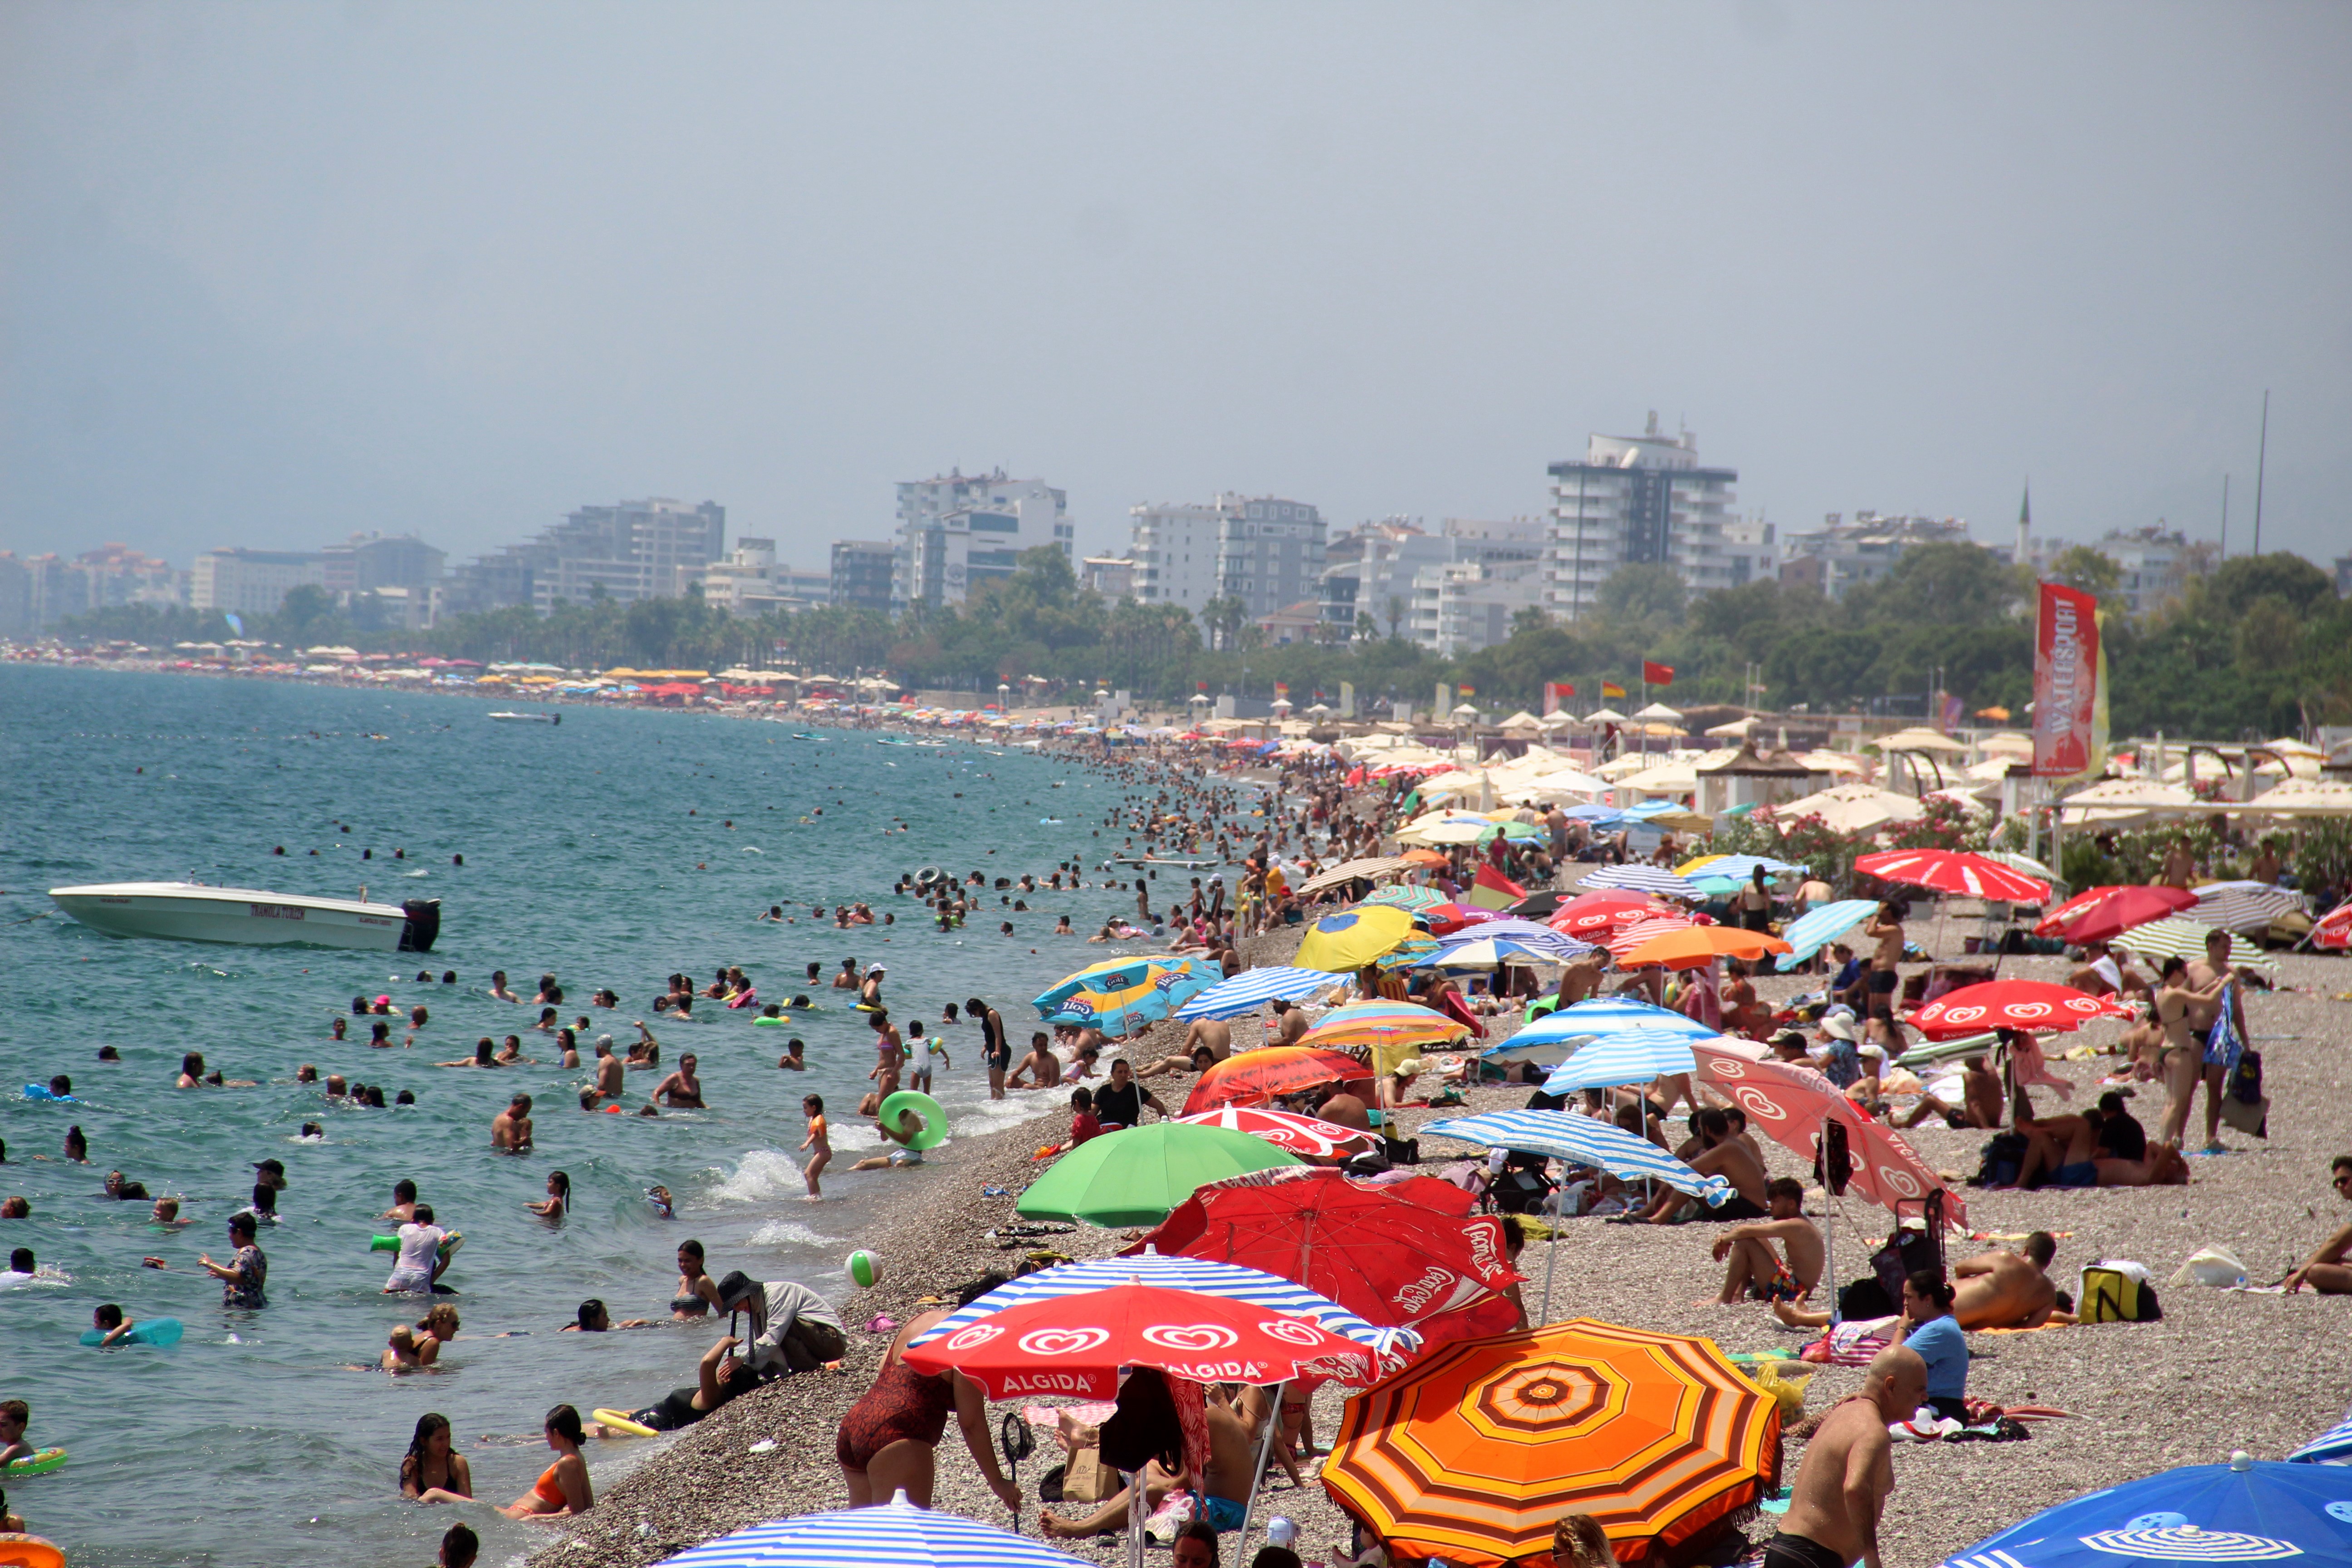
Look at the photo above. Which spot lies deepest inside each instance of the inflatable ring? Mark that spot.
(40, 1464)
(934, 1115)
(927, 875)
(778, 1023)
(618, 1421)
(384, 1244)
(29, 1551)
(161, 1333)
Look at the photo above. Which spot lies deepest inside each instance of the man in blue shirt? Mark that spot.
(1929, 1328)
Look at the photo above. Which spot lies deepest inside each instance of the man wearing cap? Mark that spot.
(270, 1174)
(792, 1328)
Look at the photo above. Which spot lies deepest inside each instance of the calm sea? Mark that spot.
(600, 850)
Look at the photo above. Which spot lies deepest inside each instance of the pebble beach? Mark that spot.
(2224, 1370)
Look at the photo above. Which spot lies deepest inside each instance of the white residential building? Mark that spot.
(1840, 554)
(1264, 551)
(252, 582)
(1112, 576)
(1373, 570)
(957, 531)
(751, 581)
(1461, 606)
(1174, 548)
(1636, 500)
(1749, 551)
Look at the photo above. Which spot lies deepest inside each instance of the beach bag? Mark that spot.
(2245, 1106)
(1401, 1150)
(1087, 1479)
(2003, 1158)
(2113, 1291)
(2215, 1265)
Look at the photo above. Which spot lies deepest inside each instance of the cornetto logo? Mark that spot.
(1418, 1293)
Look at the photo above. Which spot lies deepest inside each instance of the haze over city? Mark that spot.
(273, 274)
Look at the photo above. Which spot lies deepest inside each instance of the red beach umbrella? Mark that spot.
(1791, 1104)
(1308, 1136)
(1595, 913)
(1252, 1078)
(2124, 908)
(2034, 1005)
(1955, 871)
(1075, 1345)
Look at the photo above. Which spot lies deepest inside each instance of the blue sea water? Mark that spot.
(600, 850)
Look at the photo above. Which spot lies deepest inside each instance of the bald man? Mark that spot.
(1849, 1471)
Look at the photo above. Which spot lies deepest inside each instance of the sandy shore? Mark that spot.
(2224, 1370)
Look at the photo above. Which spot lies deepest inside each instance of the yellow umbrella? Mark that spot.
(1345, 943)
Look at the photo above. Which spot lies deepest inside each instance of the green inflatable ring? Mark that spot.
(934, 1115)
(40, 1464)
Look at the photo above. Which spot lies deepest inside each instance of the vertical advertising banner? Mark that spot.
(1556, 695)
(2069, 704)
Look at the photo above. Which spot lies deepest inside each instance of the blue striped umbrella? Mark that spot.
(1175, 1273)
(1643, 879)
(1816, 928)
(2244, 1512)
(1742, 867)
(1621, 1060)
(2333, 1447)
(1582, 1141)
(897, 1534)
(1592, 1019)
(1254, 987)
(1528, 934)
(1483, 952)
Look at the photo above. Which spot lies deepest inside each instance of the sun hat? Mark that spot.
(1839, 1028)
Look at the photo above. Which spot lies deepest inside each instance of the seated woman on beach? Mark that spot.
(562, 1487)
(432, 1471)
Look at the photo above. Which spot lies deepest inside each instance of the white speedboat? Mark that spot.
(192, 912)
(502, 717)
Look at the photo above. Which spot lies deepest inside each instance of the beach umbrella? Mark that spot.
(1382, 1023)
(1955, 871)
(2333, 1447)
(2245, 906)
(1644, 878)
(1407, 896)
(1116, 994)
(1593, 914)
(1076, 1346)
(1792, 1104)
(1136, 1176)
(1542, 938)
(1394, 1252)
(1345, 942)
(1251, 1078)
(1700, 944)
(2035, 1006)
(1427, 859)
(1250, 988)
(1738, 867)
(1596, 1016)
(1308, 1136)
(2243, 1511)
(1816, 928)
(2334, 931)
(1514, 833)
(1615, 1060)
(1582, 1141)
(1443, 918)
(1625, 938)
(2178, 937)
(1272, 1292)
(1538, 906)
(2120, 909)
(1472, 1454)
(897, 1534)
(1413, 950)
(1484, 952)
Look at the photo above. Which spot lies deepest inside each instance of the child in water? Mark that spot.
(812, 1107)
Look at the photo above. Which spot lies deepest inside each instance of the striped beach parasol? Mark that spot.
(1252, 988)
(1534, 934)
(897, 1535)
(2244, 906)
(1598, 1016)
(1413, 950)
(1383, 1023)
(1615, 1060)
(1115, 997)
(1580, 1141)
(1625, 938)
(1407, 896)
(1816, 928)
(1474, 1453)
(2179, 937)
(1643, 879)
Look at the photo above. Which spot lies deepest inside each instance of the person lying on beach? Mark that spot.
(594, 1318)
(2001, 1289)
(2067, 1152)
(2329, 1270)
(1980, 1101)
(562, 1487)
(1206, 1041)
(1754, 1267)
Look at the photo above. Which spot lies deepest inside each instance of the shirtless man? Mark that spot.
(2329, 1270)
(1206, 1041)
(1580, 978)
(609, 1070)
(1980, 1099)
(1755, 1268)
(2005, 1290)
(681, 1090)
(1883, 979)
(1849, 1470)
(1720, 1154)
(1041, 1067)
(1229, 1474)
(2180, 866)
(511, 1128)
(1288, 1024)
(995, 1050)
(2213, 973)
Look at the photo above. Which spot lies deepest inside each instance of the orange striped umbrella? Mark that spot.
(1473, 1452)
(1699, 944)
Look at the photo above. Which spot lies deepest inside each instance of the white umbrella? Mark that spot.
(1659, 710)
(1605, 716)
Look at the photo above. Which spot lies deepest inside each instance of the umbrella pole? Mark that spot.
(1552, 1262)
(1257, 1479)
(1134, 1518)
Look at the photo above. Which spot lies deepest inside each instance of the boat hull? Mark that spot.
(249, 917)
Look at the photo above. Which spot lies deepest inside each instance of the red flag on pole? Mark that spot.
(1556, 693)
(1658, 674)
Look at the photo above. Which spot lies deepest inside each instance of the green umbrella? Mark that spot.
(1136, 1176)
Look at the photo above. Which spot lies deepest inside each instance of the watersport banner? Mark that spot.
(2069, 687)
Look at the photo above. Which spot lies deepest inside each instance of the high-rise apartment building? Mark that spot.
(1264, 551)
(252, 582)
(1376, 569)
(958, 532)
(629, 550)
(752, 581)
(861, 573)
(1636, 500)
(368, 561)
(1174, 548)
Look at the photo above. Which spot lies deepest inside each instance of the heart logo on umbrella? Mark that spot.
(1291, 1331)
(1900, 1182)
(1963, 1015)
(1191, 1337)
(1726, 1070)
(1061, 1341)
(1759, 1105)
(978, 1334)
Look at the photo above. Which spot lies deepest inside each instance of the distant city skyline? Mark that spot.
(1903, 260)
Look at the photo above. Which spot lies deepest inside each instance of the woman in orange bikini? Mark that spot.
(562, 1488)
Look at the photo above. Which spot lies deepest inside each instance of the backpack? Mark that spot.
(2004, 1157)
(2113, 1291)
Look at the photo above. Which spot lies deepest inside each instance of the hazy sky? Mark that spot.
(272, 273)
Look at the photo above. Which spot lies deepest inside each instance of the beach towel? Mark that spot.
(1851, 1343)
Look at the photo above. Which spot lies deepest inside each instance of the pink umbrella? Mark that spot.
(1305, 1135)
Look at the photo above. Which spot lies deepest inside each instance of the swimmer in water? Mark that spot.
(696, 1293)
(110, 1324)
(312, 1134)
(559, 1197)
(485, 1055)
(511, 1128)
(510, 1054)
(498, 992)
(594, 1318)
(663, 1204)
(399, 1352)
(818, 1139)
(307, 1073)
(681, 1090)
(547, 1020)
(191, 1071)
(335, 1090)
(336, 1030)
(608, 1069)
(120, 1186)
(77, 1146)
(167, 1215)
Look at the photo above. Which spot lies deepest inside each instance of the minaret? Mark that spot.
(2025, 527)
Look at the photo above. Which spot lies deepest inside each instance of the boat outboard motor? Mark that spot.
(421, 926)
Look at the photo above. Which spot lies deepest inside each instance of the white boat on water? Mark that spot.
(503, 717)
(193, 912)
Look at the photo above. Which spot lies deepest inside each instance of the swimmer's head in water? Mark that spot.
(594, 1318)
(109, 1316)
(21, 1261)
(167, 1208)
